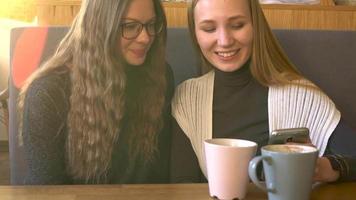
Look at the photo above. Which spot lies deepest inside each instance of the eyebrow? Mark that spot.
(237, 17)
(135, 20)
(229, 19)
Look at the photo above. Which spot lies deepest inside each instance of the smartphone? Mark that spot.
(295, 135)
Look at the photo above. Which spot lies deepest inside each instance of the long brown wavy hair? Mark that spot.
(269, 64)
(90, 53)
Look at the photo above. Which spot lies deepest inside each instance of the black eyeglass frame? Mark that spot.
(140, 29)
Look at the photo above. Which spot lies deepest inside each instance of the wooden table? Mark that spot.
(343, 191)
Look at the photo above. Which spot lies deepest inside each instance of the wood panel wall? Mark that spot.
(324, 16)
(312, 17)
(56, 12)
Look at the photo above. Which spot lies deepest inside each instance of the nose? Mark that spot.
(225, 38)
(143, 37)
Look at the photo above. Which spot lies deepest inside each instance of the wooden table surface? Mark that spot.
(341, 191)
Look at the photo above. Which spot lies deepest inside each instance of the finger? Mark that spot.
(317, 176)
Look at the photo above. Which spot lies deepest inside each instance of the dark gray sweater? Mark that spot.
(45, 131)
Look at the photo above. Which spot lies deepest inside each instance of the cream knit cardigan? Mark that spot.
(288, 106)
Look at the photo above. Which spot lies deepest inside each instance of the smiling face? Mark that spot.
(224, 32)
(135, 50)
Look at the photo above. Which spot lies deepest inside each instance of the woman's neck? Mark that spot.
(240, 77)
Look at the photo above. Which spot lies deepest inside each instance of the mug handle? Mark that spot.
(253, 175)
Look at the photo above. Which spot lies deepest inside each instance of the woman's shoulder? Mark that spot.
(54, 84)
(196, 82)
(52, 80)
(196, 88)
(302, 88)
(301, 83)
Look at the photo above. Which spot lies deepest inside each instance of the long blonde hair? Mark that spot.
(269, 64)
(90, 53)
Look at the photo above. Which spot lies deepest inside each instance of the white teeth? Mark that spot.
(227, 54)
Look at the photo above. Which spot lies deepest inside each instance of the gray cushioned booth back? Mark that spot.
(327, 58)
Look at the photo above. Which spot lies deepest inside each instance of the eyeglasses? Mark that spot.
(131, 30)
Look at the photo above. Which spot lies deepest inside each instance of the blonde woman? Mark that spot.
(250, 88)
(98, 110)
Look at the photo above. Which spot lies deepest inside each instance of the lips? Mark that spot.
(139, 52)
(227, 55)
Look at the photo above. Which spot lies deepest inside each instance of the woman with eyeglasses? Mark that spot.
(98, 110)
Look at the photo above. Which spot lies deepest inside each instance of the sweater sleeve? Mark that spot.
(44, 121)
(184, 163)
(341, 151)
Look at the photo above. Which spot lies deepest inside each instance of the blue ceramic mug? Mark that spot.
(288, 171)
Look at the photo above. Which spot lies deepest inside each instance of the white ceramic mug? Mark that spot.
(227, 166)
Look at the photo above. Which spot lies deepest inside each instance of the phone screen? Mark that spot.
(295, 135)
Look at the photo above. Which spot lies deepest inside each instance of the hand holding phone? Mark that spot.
(293, 135)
